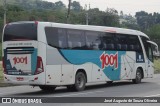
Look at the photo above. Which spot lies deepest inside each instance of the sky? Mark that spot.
(127, 6)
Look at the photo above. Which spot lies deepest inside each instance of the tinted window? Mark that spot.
(148, 48)
(144, 40)
(128, 42)
(108, 41)
(149, 52)
(62, 36)
(76, 39)
(122, 42)
(65, 38)
(52, 36)
(27, 31)
(134, 43)
(93, 40)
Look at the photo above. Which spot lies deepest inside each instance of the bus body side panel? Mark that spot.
(67, 74)
(42, 46)
(88, 69)
(150, 69)
(42, 54)
(127, 65)
(53, 67)
(106, 65)
(53, 74)
(98, 74)
(58, 70)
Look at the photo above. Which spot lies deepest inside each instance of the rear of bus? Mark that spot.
(22, 63)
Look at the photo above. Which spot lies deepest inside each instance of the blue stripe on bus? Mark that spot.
(34, 61)
(79, 57)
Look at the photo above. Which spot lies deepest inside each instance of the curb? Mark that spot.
(3, 84)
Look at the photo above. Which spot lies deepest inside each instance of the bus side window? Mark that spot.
(52, 36)
(150, 53)
(121, 40)
(70, 45)
(76, 39)
(134, 44)
(96, 46)
(88, 44)
(62, 38)
(79, 44)
(131, 48)
(119, 46)
(108, 41)
(110, 46)
(124, 47)
(93, 40)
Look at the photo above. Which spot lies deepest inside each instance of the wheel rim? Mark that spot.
(80, 81)
(138, 76)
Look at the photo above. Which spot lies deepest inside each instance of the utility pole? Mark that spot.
(5, 11)
(87, 18)
(86, 14)
(69, 8)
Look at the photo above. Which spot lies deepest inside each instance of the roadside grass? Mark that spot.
(157, 66)
(0, 51)
(2, 84)
(1, 73)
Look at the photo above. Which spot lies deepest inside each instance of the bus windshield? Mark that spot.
(25, 31)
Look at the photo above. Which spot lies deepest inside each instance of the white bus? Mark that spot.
(49, 55)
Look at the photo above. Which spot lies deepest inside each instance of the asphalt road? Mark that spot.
(148, 88)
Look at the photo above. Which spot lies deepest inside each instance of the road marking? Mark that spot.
(7, 93)
(79, 94)
(153, 95)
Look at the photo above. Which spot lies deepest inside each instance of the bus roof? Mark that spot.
(89, 27)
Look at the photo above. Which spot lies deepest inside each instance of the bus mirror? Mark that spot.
(153, 43)
(156, 52)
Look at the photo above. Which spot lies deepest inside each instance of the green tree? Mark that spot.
(76, 6)
(146, 20)
(154, 33)
(128, 21)
(142, 20)
(59, 5)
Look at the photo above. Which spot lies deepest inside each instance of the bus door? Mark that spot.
(149, 53)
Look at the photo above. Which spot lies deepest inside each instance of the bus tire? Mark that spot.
(47, 88)
(109, 82)
(138, 77)
(80, 81)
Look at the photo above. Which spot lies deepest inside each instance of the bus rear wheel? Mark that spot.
(138, 77)
(80, 81)
(47, 88)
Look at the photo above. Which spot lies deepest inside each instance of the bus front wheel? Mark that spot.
(138, 77)
(47, 88)
(80, 81)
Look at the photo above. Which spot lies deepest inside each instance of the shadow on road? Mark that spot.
(41, 93)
